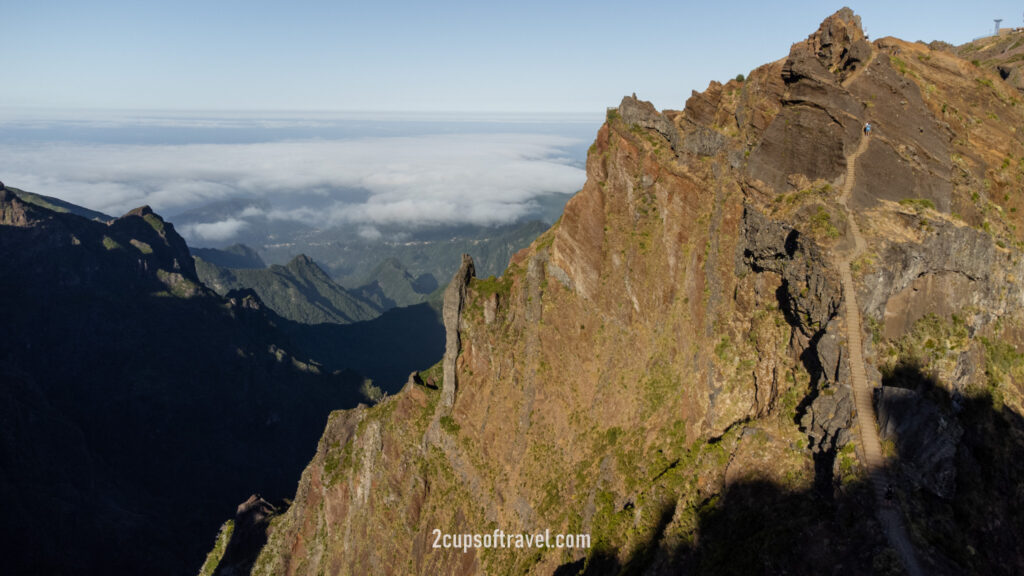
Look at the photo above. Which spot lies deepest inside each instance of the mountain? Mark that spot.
(1001, 54)
(235, 256)
(58, 205)
(758, 341)
(300, 291)
(136, 406)
(391, 285)
(401, 267)
(386, 349)
(428, 254)
(341, 329)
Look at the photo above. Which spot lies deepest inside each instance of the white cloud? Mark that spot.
(459, 178)
(214, 231)
(370, 233)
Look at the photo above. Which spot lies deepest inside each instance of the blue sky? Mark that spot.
(529, 56)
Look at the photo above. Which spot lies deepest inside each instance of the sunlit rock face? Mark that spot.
(667, 368)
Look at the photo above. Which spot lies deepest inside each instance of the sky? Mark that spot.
(387, 55)
(228, 115)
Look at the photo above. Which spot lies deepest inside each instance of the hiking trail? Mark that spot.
(888, 515)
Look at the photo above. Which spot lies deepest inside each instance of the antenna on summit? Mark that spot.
(997, 20)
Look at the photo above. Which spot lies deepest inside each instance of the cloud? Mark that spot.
(370, 233)
(214, 231)
(410, 180)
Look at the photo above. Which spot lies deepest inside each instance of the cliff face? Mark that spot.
(667, 368)
(135, 405)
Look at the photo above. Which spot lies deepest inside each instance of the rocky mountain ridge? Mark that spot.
(667, 369)
(135, 404)
(300, 291)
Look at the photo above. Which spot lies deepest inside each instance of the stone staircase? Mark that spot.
(862, 392)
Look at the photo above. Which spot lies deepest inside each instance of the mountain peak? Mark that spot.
(303, 260)
(304, 266)
(832, 53)
(141, 211)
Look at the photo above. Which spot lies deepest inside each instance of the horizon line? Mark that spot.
(600, 111)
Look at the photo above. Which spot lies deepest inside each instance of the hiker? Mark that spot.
(889, 492)
(867, 129)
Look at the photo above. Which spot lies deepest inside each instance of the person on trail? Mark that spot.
(889, 492)
(867, 129)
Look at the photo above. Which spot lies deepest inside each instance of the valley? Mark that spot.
(778, 330)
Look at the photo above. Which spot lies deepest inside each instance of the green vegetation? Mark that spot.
(741, 78)
(177, 285)
(934, 337)
(213, 558)
(819, 189)
(918, 204)
(545, 240)
(658, 384)
(141, 246)
(434, 376)
(931, 347)
(822, 224)
(40, 201)
(337, 460)
(848, 469)
(155, 222)
(58, 205)
(723, 349)
(900, 65)
(111, 244)
(889, 449)
(863, 264)
(610, 523)
(789, 400)
(1003, 365)
(876, 329)
(449, 425)
(491, 285)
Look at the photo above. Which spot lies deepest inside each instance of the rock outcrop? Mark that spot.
(668, 369)
(451, 313)
(927, 438)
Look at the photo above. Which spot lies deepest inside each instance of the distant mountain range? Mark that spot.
(237, 256)
(137, 405)
(299, 291)
(392, 266)
(382, 330)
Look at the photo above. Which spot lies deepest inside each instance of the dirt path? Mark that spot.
(862, 393)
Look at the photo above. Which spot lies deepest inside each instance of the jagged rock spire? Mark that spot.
(833, 52)
(454, 297)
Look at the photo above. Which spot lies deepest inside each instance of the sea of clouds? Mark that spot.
(412, 180)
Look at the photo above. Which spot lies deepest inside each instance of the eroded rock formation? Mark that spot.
(668, 368)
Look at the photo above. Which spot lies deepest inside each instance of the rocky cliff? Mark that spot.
(668, 370)
(136, 406)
